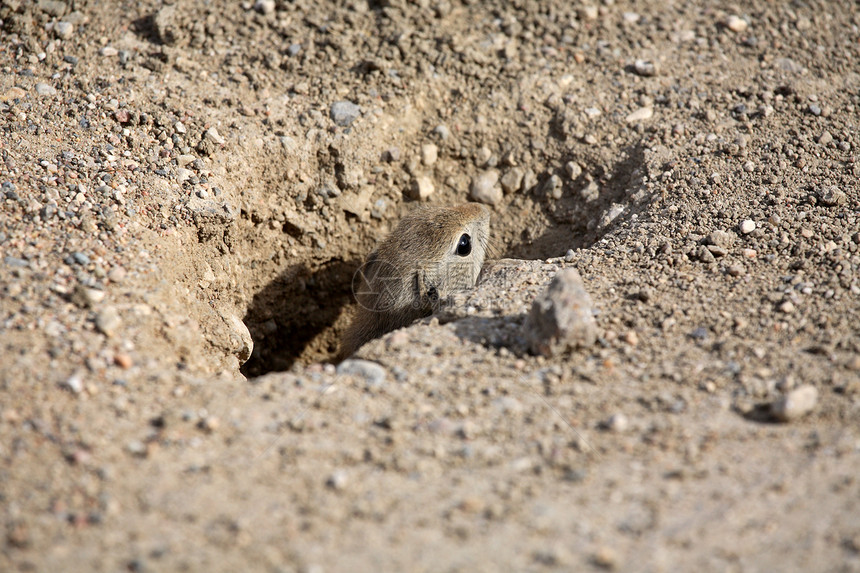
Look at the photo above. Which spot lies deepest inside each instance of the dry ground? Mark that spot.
(175, 186)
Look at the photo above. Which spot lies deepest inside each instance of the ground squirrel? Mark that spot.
(433, 252)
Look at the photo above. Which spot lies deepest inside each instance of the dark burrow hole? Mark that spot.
(300, 315)
(292, 317)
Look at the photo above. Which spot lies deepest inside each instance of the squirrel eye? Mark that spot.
(464, 247)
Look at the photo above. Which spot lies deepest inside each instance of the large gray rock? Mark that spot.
(561, 317)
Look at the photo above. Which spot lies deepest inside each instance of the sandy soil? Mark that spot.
(188, 188)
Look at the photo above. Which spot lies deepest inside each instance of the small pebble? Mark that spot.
(370, 371)
(617, 423)
(337, 480)
(442, 131)
(796, 404)
(183, 175)
(64, 30)
(74, 383)
(512, 180)
(553, 187)
(391, 155)
(422, 187)
(787, 307)
(483, 156)
(747, 226)
(136, 448)
(108, 321)
(485, 188)
(116, 274)
(529, 180)
(605, 558)
(56, 8)
(429, 154)
(213, 135)
(644, 68)
(209, 424)
(123, 361)
(720, 238)
(588, 12)
(44, 89)
(832, 196)
(640, 114)
(573, 169)
(736, 24)
(265, 6)
(343, 113)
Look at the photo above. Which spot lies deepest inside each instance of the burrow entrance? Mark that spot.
(299, 315)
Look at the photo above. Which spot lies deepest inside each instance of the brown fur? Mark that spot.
(414, 269)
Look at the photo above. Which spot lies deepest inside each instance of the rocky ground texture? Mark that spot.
(187, 188)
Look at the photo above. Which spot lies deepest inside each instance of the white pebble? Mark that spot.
(264, 6)
(640, 114)
(216, 137)
(795, 404)
(485, 188)
(74, 383)
(429, 154)
(64, 30)
(736, 24)
(422, 188)
(747, 226)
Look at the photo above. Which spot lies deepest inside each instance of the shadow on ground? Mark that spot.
(587, 211)
(297, 312)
